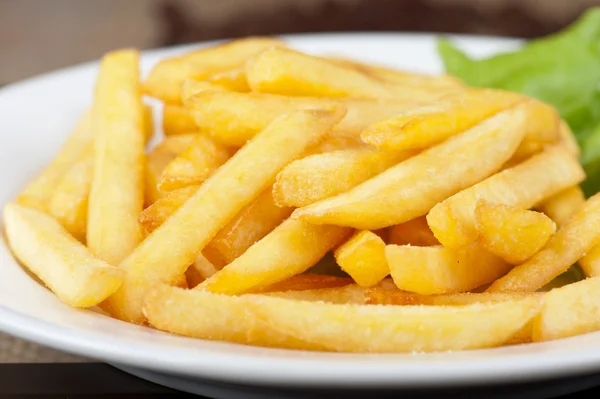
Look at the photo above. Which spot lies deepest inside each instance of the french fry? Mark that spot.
(169, 250)
(363, 258)
(204, 267)
(411, 188)
(568, 140)
(348, 294)
(306, 282)
(540, 177)
(38, 192)
(433, 123)
(562, 206)
(59, 260)
(570, 243)
(288, 72)
(233, 79)
(166, 78)
(438, 270)
(414, 232)
(590, 262)
(234, 118)
(177, 120)
(570, 310)
(155, 215)
(117, 192)
(158, 159)
(290, 249)
(191, 87)
(320, 176)
(195, 164)
(512, 233)
(375, 329)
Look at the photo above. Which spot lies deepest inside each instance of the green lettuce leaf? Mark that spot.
(562, 69)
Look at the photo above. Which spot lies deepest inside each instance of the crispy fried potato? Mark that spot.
(177, 120)
(169, 250)
(363, 258)
(376, 329)
(540, 177)
(233, 79)
(306, 282)
(570, 310)
(433, 123)
(568, 140)
(320, 176)
(438, 270)
(291, 248)
(59, 260)
(411, 188)
(155, 215)
(166, 78)
(512, 233)
(158, 159)
(348, 294)
(234, 118)
(414, 232)
(117, 192)
(195, 164)
(38, 192)
(562, 206)
(590, 263)
(571, 242)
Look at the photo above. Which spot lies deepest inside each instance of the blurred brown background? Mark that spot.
(41, 35)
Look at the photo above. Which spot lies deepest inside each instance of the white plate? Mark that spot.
(36, 115)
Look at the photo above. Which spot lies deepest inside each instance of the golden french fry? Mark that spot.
(169, 250)
(157, 161)
(562, 206)
(568, 140)
(540, 177)
(439, 270)
(233, 79)
(155, 215)
(234, 118)
(414, 232)
(376, 329)
(362, 256)
(117, 192)
(590, 263)
(570, 243)
(195, 164)
(166, 78)
(347, 294)
(544, 124)
(570, 310)
(59, 260)
(177, 120)
(38, 192)
(512, 233)
(148, 122)
(411, 188)
(306, 282)
(69, 201)
(320, 176)
(433, 123)
(291, 248)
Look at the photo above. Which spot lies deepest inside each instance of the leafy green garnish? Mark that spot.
(562, 69)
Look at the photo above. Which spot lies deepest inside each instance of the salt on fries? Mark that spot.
(447, 208)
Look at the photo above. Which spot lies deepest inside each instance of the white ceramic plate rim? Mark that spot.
(242, 364)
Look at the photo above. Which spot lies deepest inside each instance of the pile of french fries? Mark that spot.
(448, 209)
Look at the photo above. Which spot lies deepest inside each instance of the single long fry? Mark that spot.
(414, 232)
(194, 165)
(117, 192)
(376, 329)
(233, 79)
(320, 176)
(59, 260)
(158, 159)
(432, 123)
(177, 120)
(540, 177)
(512, 233)
(166, 78)
(562, 206)
(438, 270)
(234, 118)
(571, 242)
(292, 248)
(570, 310)
(38, 192)
(411, 188)
(169, 250)
(363, 258)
